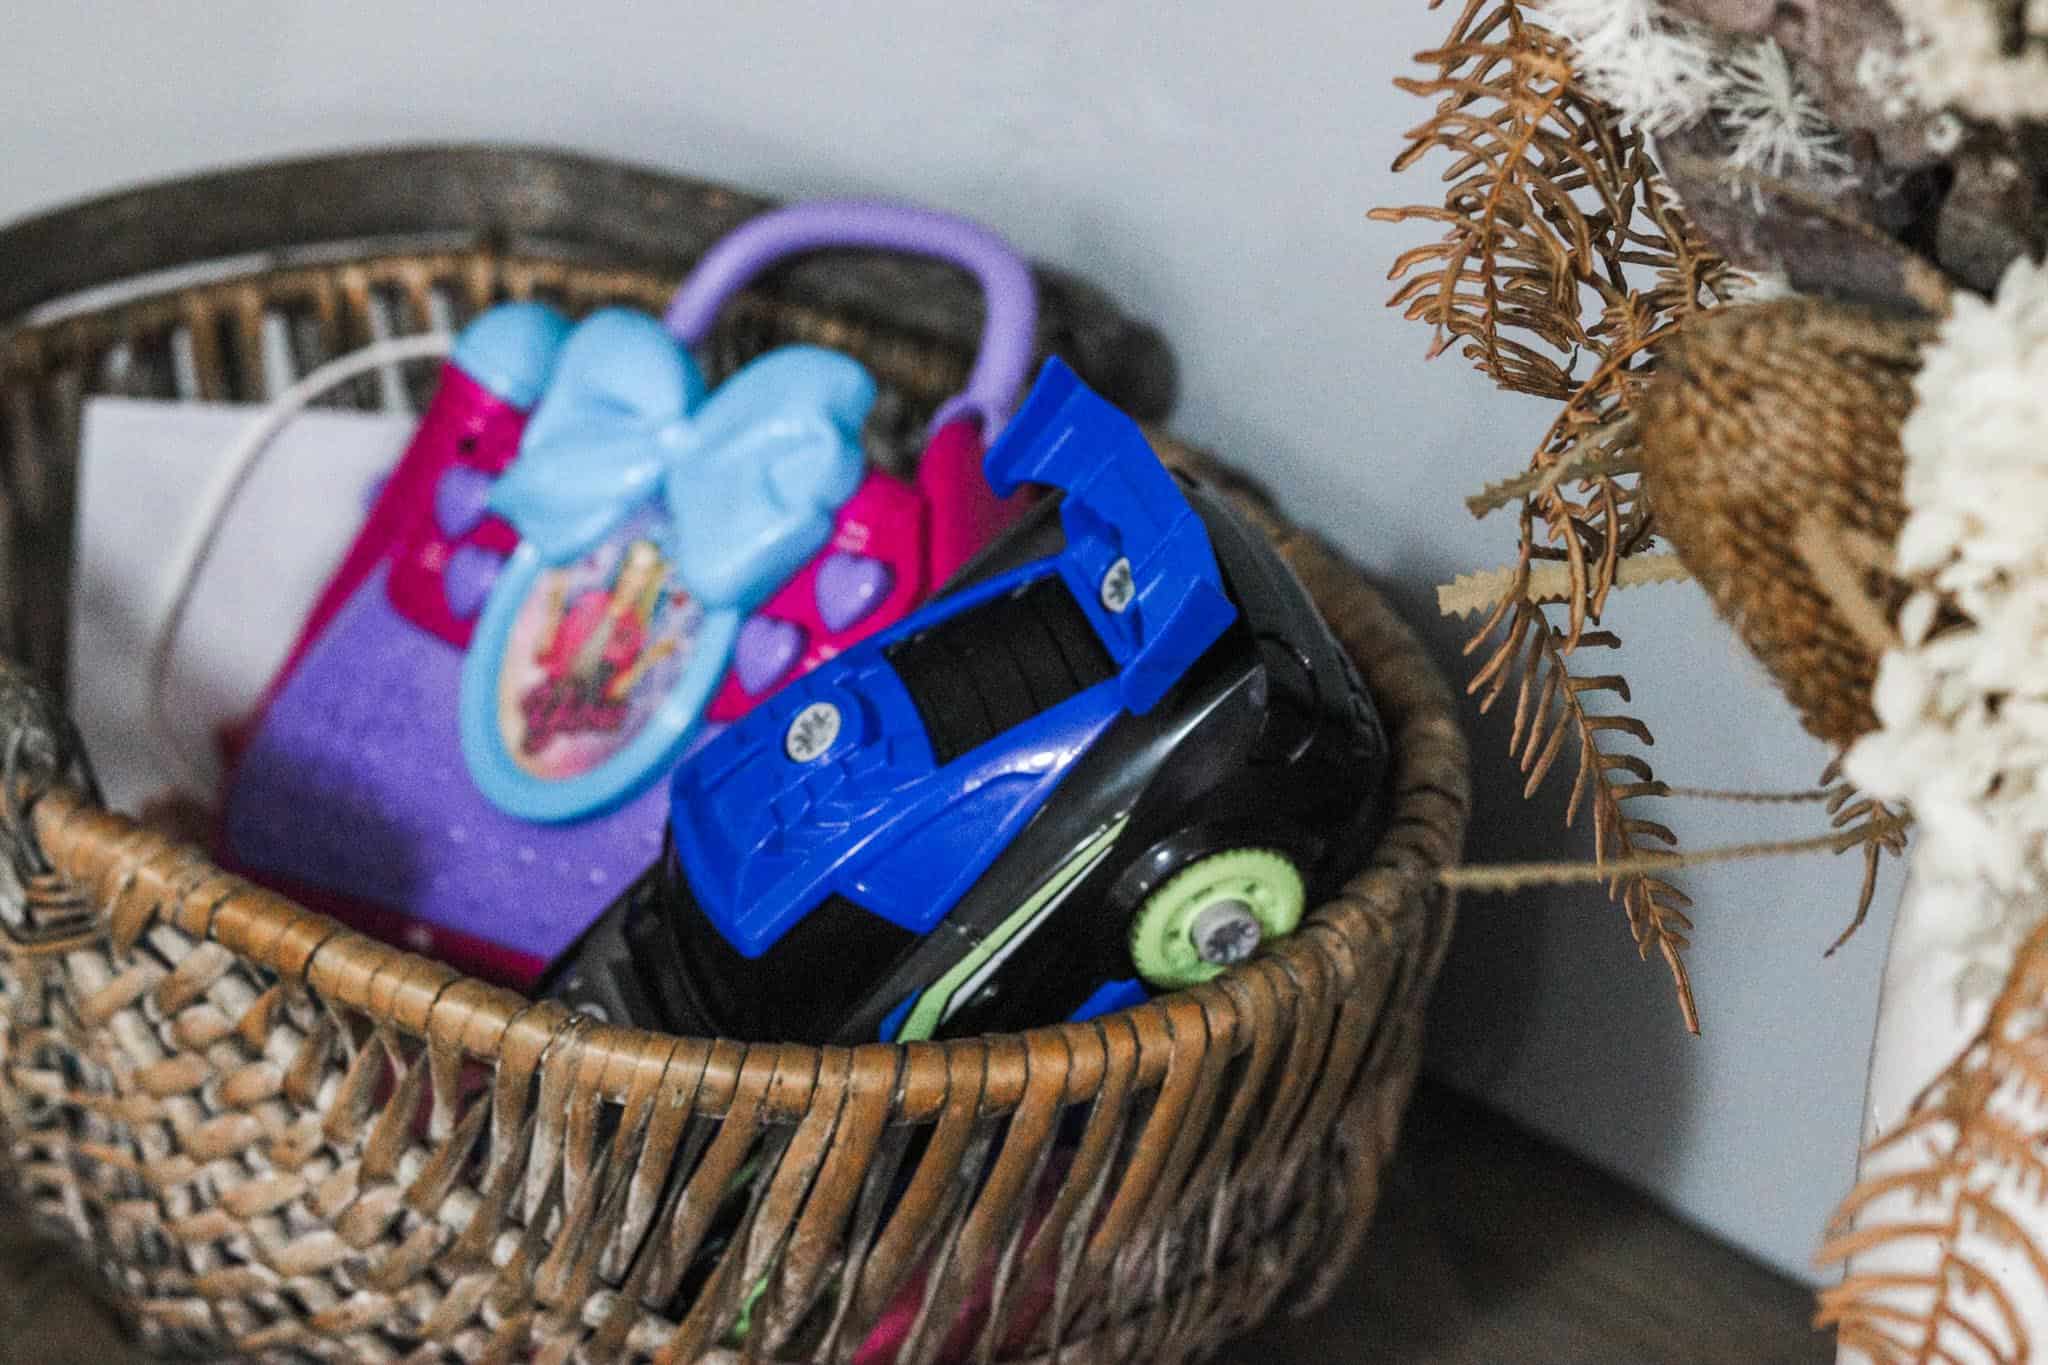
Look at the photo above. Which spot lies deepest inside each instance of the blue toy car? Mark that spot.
(1121, 753)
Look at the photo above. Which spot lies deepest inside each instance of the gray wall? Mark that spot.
(1213, 164)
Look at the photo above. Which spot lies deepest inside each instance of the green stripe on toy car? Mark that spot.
(933, 1007)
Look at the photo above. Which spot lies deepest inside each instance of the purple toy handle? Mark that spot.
(1008, 337)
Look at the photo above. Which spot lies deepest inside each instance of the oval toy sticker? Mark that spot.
(652, 518)
(595, 647)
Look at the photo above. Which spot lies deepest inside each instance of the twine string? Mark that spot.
(1750, 798)
(1500, 878)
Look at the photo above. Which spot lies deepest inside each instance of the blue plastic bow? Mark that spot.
(752, 474)
(751, 477)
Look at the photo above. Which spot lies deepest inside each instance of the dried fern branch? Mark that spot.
(1549, 582)
(1881, 829)
(1954, 1183)
(1533, 213)
(1805, 796)
(1605, 451)
(1553, 215)
(1564, 262)
(1550, 714)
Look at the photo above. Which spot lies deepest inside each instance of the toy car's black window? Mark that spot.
(989, 669)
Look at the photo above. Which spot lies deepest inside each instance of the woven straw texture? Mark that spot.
(285, 1141)
(1770, 445)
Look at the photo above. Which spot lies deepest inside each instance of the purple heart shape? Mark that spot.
(460, 500)
(468, 579)
(849, 587)
(766, 650)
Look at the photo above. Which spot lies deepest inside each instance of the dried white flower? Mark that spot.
(1878, 70)
(1778, 128)
(1963, 709)
(1658, 72)
(1959, 58)
(1661, 72)
(1884, 74)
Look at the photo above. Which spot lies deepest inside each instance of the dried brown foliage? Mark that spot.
(1879, 829)
(1960, 1177)
(1551, 716)
(1555, 221)
(1564, 261)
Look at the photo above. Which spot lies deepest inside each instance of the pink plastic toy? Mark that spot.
(895, 542)
(892, 546)
(347, 786)
(427, 521)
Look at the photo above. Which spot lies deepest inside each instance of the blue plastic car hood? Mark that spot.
(832, 788)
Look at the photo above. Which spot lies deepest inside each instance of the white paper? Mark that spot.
(144, 468)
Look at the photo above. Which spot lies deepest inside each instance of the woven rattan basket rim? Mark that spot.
(142, 875)
(241, 300)
(603, 216)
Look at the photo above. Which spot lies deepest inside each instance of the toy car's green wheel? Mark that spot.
(1213, 913)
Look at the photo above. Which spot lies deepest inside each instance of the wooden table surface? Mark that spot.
(1491, 1247)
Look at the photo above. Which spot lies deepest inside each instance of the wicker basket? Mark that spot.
(282, 1139)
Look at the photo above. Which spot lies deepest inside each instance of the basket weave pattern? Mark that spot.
(279, 1138)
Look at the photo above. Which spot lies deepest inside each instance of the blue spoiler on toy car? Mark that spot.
(1120, 504)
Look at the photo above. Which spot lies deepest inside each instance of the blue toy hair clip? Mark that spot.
(653, 517)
